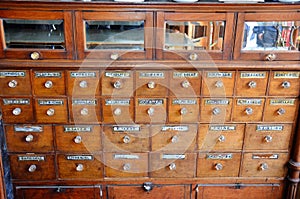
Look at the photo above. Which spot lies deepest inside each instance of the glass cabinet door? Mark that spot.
(194, 36)
(114, 36)
(35, 34)
(268, 36)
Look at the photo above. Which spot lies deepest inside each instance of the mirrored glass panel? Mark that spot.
(279, 35)
(194, 35)
(42, 34)
(117, 35)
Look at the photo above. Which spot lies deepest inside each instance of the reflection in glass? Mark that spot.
(115, 35)
(195, 35)
(283, 35)
(43, 34)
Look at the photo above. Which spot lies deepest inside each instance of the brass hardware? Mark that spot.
(29, 138)
(268, 138)
(150, 111)
(35, 55)
(151, 85)
(12, 84)
(216, 111)
(270, 57)
(126, 139)
(126, 167)
(48, 84)
(117, 84)
(185, 84)
(83, 84)
(218, 166)
(286, 84)
(32, 168)
(172, 166)
(79, 167)
(219, 84)
(252, 84)
(263, 167)
(183, 111)
(114, 56)
(249, 111)
(17, 111)
(221, 138)
(174, 139)
(77, 139)
(117, 111)
(84, 111)
(281, 111)
(50, 112)
(193, 56)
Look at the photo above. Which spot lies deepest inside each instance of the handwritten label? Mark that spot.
(50, 102)
(12, 74)
(78, 128)
(16, 101)
(118, 74)
(152, 75)
(217, 101)
(222, 128)
(225, 156)
(83, 74)
(150, 101)
(289, 75)
(249, 101)
(219, 74)
(253, 75)
(79, 157)
(135, 128)
(121, 102)
(269, 127)
(282, 102)
(31, 158)
(84, 102)
(184, 101)
(47, 74)
(185, 74)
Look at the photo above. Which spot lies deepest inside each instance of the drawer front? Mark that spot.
(78, 138)
(150, 110)
(251, 83)
(164, 165)
(118, 110)
(151, 83)
(17, 109)
(284, 83)
(51, 110)
(215, 110)
(117, 83)
(185, 83)
(248, 109)
(173, 138)
(267, 136)
(183, 110)
(218, 83)
(126, 138)
(29, 138)
(218, 164)
(264, 164)
(126, 164)
(32, 167)
(85, 83)
(84, 110)
(220, 137)
(280, 110)
(48, 83)
(80, 166)
(15, 82)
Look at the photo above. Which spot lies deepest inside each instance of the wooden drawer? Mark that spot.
(247, 110)
(284, 83)
(218, 164)
(156, 191)
(185, 83)
(183, 110)
(126, 138)
(150, 110)
(61, 192)
(17, 109)
(280, 110)
(32, 166)
(251, 83)
(84, 110)
(220, 137)
(264, 164)
(124, 165)
(267, 136)
(48, 83)
(118, 110)
(83, 83)
(218, 83)
(78, 138)
(215, 110)
(152, 83)
(173, 138)
(117, 83)
(80, 166)
(172, 165)
(29, 138)
(15, 82)
(51, 110)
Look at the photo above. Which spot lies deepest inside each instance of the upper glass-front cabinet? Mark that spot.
(268, 36)
(35, 35)
(115, 36)
(194, 36)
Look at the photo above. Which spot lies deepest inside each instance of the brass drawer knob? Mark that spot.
(249, 111)
(268, 138)
(174, 139)
(12, 84)
(219, 84)
(126, 139)
(29, 138)
(117, 84)
(151, 85)
(252, 84)
(83, 84)
(79, 167)
(34, 55)
(281, 111)
(114, 56)
(221, 138)
(263, 167)
(193, 56)
(48, 84)
(77, 139)
(84, 111)
(150, 111)
(286, 84)
(218, 166)
(172, 166)
(216, 111)
(17, 111)
(270, 57)
(183, 111)
(117, 112)
(126, 167)
(50, 112)
(185, 84)
(32, 168)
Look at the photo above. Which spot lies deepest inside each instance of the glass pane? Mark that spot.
(195, 35)
(119, 35)
(43, 34)
(282, 35)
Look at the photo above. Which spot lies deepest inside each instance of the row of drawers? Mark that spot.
(144, 138)
(147, 110)
(150, 83)
(157, 165)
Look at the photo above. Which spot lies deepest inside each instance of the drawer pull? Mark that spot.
(221, 138)
(151, 85)
(148, 186)
(268, 138)
(32, 168)
(34, 55)
(183, 111)
(218, 166)
(114, 56)
(17, 111)
(252, 84)
(174, 139)
(126, 139)
(281, 111)
(78, 139)
(185, 84)
(12, 84)
(216, 111)
(249, 111)
(83, 84)
(219, 84)
(48, 84)
(117, 111)
(286, 84)
(117, 84)
(50, 112)
(270, 57)
(193, 56)
(79, 167)
(29, 138)
(263, 167)
(84, 111)
(126, 167)
(150, 111)
(172, 166)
